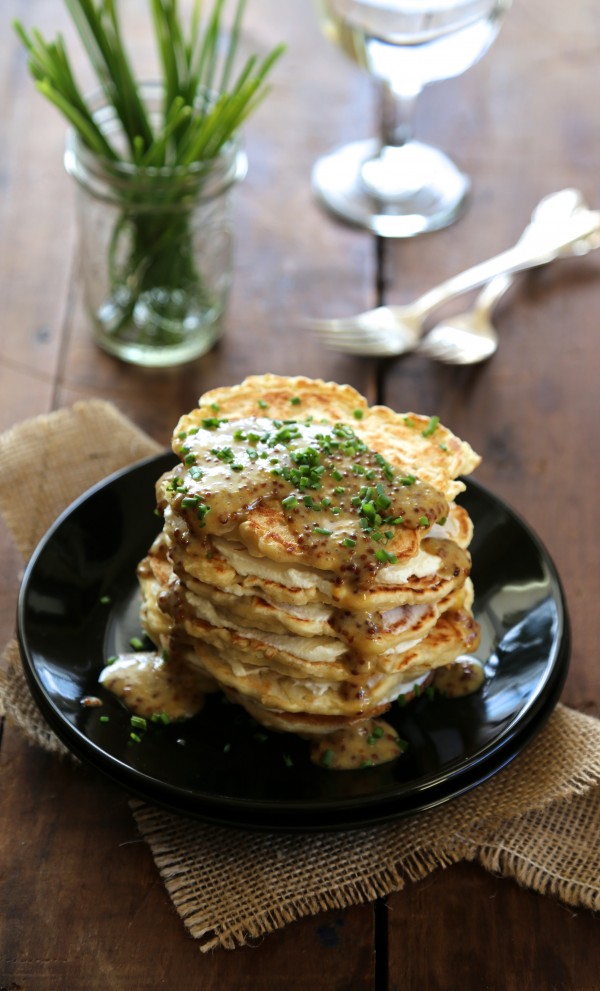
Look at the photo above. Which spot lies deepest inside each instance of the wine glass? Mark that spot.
(397, 186)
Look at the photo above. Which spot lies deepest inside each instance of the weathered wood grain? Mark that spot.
(82, 904)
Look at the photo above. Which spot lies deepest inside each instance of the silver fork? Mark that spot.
(470, 337)
(393, 330)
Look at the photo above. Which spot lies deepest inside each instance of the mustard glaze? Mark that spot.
(147, 684)
(365, 745)
(463, 677)
(341, 502)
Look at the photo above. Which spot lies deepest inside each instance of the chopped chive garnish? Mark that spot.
(408, 480)
(161, 717)
(327, 758)
(431, 426)
(423, 521)
(262, 404)
(212, 422)
(295, 400)
(136, 643)
(289, 502)
(357, 414)
(105, 600)
(104, 719)
(348, 542)
(323, 530)
(138, 722)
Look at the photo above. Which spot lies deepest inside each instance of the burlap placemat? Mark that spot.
(537, 821)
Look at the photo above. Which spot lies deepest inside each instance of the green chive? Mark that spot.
(431, 426)
(289, 502)
(136, 643)
(357, 414)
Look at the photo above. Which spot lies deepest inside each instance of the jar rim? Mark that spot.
(93, 171)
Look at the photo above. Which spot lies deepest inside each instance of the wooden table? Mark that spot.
(523, 123)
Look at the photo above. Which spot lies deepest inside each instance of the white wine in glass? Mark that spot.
(397, 186)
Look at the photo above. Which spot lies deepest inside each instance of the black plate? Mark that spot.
(221, 766)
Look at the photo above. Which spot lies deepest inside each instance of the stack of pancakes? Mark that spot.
(313, 564)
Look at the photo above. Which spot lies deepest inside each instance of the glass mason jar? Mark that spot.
(155, 247)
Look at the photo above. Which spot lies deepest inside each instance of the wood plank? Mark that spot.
(464, 928)
(83, 906)
(524, 129)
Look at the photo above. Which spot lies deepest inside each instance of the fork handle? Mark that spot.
(533, 251)
(492, 293)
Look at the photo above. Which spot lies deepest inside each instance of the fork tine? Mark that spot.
(358, 345)
(325, 326)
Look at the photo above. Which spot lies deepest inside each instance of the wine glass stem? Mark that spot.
(391, 173)
(397, 116)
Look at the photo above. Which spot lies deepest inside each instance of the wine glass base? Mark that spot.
(339, 183)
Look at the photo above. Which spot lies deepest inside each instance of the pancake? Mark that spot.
(313, 564)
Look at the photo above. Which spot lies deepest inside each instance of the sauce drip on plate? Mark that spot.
(463, 677)
(148, 684)
(365, 745)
